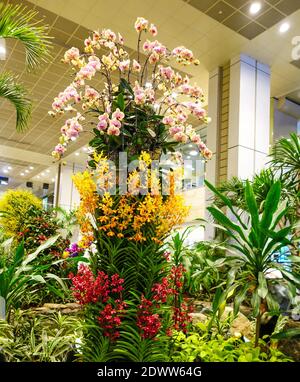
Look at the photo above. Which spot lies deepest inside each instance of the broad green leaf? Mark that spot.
(262, 289)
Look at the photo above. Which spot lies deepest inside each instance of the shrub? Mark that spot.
(15, 206)
(201, 347)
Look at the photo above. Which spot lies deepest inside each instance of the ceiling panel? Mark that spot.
(235, 14)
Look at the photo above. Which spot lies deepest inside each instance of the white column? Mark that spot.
(249, 117)
(66, 194)
(214, 105)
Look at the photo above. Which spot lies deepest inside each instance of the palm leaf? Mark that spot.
(20, 23)
(17, 95)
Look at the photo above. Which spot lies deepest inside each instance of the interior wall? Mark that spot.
(284, 124)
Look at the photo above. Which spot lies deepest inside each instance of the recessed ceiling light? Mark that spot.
(9, 168)
(48, 171)
(5, 171)
(31, 167)
(194, 153)
(38, 177)
(43, 174)
(53, 180)
(22, 174)
(77, 154)
(284, 27)
(27, 171)
(255, 8)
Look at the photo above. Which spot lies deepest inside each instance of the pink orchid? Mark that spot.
(102, 125)
(118, 114)
(115, 123)
(141, 24)
(60, 149)
(124, 65)
(180, 137)
(153, 30)
(136, 67)
(71, 54)
(112, 130)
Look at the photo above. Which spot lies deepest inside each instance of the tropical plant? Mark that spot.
(254, 244)
(285, 158)
(15, 206)
(198, 346)
(18, 96)
(19, 277)
(29, 338)
(18, 22)
(206, 269)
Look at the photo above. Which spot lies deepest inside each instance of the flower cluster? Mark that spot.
(101, 290)
(90, 289)
(109, 319)
(111, 126)
(161, 291)
(148, 322)
(74, 250)
(127, 216)
(156, 86)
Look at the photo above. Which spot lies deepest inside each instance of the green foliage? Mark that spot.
(285, 156)
(253, 246)
(131, 347)
(19, 276)
(200, 347)
(16, 94)
(140, 265)
(20, 23)
(206, 270)
(15, 206)
(39, 338)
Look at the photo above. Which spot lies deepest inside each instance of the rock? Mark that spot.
(198, 317)
(54, 306)
(73, 305)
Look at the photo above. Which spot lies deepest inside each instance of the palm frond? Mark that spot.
(17, 95)
(286, 158)
(18, 22)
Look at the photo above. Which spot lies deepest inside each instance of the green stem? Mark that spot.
(257, 329)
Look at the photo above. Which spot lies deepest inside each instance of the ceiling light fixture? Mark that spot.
(194, 153)
(31, 168)
(9, 168)
(27, 171)
(5, 171)
(48, 171)
(43, 174)
(22, 174)
(284, 27)
(255, 8)
(77, 154)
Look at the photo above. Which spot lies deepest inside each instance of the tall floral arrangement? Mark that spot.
(129, 289)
